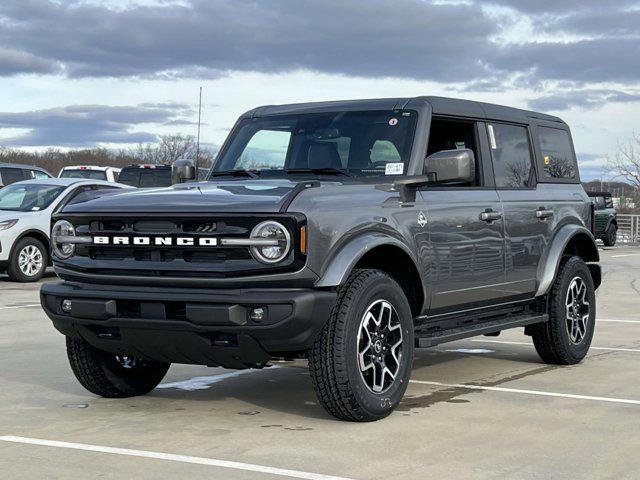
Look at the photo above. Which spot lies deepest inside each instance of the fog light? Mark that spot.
(66, 305)
(257, 314)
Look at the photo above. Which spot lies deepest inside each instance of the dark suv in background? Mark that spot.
(345, 233)
(606, 222)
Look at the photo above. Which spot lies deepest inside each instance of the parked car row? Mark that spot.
(139, 176)
(25, 220)
(29, 196)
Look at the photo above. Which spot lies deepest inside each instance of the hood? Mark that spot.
(10, 215)
(251, 196)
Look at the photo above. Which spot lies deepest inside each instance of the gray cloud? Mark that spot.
(584, 99)
(88, 125)
(449, 43)
(13, 62)
(561, 6)
(403, 38)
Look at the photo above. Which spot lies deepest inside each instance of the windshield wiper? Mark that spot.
(319, 171)
(237, 172)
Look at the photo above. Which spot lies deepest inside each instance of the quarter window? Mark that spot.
(511, 156)
(558, 159)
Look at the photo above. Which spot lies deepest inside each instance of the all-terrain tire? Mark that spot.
(334, 362)
(33, 247)
(552, 339)
(610, 237)
(103, 374)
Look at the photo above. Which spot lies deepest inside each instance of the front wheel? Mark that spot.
(611, 236)
(28, 261)
(112, 376)
(360, 363)
(565, 339)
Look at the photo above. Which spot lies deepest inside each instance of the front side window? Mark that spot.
(360, 143)
(511, 156)
(557, 154)
(38, 175)
(28, 198)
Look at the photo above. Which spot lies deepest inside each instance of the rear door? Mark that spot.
(528, 211)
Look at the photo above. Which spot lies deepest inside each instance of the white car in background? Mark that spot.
(90, 172)
(25, 221)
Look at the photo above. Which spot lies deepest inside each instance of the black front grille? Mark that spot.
(167, 261)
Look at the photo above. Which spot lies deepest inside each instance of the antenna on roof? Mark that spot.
(199, 117)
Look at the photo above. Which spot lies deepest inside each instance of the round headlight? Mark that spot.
(62, 228)
(276, 232)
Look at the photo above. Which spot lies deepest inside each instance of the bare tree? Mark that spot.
(626, 163)
(172, 147)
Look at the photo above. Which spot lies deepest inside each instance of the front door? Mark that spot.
(466, 247)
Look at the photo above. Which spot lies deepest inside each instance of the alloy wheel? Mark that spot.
(30, 260)
(379, 346)
(577, 310)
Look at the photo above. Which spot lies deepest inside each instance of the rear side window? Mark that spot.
(559, 162)
(13, 175)
(511, 156)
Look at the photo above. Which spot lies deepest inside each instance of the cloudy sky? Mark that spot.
(119, 72)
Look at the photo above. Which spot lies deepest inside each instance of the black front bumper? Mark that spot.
(205, 327)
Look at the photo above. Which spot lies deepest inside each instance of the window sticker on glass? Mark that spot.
(393, 122)
(394, 169)
(492, 137)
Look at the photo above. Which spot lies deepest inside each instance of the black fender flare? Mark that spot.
(340, 265)
(549, 264)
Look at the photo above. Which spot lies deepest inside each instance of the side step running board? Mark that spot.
(431, 339)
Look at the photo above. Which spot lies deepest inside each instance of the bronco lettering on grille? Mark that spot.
(157, 241)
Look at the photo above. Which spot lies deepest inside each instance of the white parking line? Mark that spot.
(528, 392)
(31, 305)
(616, 320)
(626, 255)
(171, 457)
(528, 344)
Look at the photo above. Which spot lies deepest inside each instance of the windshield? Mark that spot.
(89, 174)
(28, 198)
(357, 143)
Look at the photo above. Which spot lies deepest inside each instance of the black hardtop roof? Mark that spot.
(439, 105)
(599, 194)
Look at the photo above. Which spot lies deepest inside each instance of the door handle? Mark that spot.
(490, 216)
(543, 213)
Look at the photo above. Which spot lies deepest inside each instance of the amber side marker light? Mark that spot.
(303, 240)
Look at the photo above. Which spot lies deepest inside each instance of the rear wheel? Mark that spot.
(611, 235)
(28, 260)
(112, 376)
(360, 364)
(565, 339)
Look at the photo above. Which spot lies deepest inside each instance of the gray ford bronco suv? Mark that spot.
(346, 233)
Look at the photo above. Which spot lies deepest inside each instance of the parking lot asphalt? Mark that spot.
(482, 408)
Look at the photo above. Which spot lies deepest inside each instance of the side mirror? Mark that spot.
(451, 166)
(183, 170)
